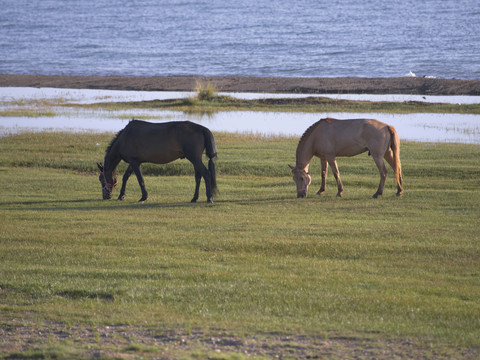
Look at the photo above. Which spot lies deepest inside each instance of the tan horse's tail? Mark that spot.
(395, 146)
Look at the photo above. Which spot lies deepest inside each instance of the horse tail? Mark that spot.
(211, 151)
(210, 145)
(213, 176)
(395, 146)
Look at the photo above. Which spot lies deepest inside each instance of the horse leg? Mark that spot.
(198, 178)
(383, 174)
(124, 182)
(138, 172)
(391, 160)
(324, 176)
(201, 171)
(333, 164)
(208, 184)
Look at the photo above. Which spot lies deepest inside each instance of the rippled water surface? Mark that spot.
(370, 38)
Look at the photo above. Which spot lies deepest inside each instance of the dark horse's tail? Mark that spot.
(211, 151)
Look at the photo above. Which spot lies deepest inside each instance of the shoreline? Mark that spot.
(316, 85)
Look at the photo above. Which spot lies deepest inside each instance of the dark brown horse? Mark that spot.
(141, 141)
(329, 138)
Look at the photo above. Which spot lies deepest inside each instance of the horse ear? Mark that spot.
(291, 167)
(100, 167)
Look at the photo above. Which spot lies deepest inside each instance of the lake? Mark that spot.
(373, 38)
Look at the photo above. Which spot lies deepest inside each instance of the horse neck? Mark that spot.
(304, 152)
(111, 161)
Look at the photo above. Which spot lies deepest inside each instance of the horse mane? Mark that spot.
(114, 140)
(117, 136)
(309, 131)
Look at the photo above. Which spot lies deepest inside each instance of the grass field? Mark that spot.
(257, 274)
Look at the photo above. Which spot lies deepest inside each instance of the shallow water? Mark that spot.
(415, 127)
(463, 128)
(89, 96)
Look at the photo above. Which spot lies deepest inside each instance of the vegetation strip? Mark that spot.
(208, 101)
(307, 104)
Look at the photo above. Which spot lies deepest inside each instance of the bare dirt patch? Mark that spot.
(59, 340)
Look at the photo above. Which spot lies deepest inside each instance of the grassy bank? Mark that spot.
(308, 104)
(214, 103)
(259, 272)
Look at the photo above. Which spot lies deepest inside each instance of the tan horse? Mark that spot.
(329, 138)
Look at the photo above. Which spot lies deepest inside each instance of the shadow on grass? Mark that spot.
(63, 205)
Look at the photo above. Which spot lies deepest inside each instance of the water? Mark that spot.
(90, 96)
(453, 128)
(417, 127)
(463, 128)
(371, 38)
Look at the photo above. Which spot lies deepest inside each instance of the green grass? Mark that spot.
(256, 263)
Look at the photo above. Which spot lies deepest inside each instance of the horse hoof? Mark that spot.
(121, 198)
(209, 201)
(142, 199)
(193, 201)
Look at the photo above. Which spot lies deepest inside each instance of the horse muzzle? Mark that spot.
(107, 193)
(302, 194)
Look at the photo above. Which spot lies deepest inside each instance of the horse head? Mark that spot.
(108, 183)
(302, 179)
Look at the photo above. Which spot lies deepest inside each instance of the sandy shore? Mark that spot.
(403, 85)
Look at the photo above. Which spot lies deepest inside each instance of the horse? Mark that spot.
(329, 138)
(159, 143)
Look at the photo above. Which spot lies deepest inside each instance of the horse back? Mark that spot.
(160, 143)
(351, 137)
